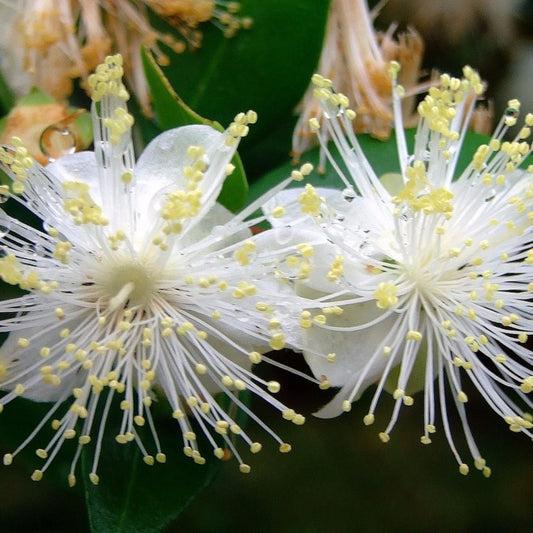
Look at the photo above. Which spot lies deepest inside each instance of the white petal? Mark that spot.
(80, 166)
(213, 225)
(288, 198)
(159, 169)
(353, 349)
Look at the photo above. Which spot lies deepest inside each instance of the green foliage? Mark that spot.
(133, 497)
(265, 68)
(382, 155)
(173, 112)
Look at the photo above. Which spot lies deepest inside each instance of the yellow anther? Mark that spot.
(256, 447)
(23, 342)
(462, 397)
(273, 386)
(37, 475)
(69, 434)
(227, 381)
(255, 357)
(384, 437)
(201, 368)
(43, 454)
(369, 419)
(386, 295)
(413, 335)
(310, 201)
(245, 469)
(219, 453)
(285, 447)
(288, 414)
(277, 341)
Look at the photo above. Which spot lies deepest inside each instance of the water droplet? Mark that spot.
(60, 139)
(5, 226)
(490, 196)
(102, 151)
(348, 194)
(284, 234)
(57, 141)
(37, 249)
(165, 142)
(4, 195)
(512, 112)
(339, 217)
(220, 231)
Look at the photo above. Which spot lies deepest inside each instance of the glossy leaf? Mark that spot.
(173, 112)
(382, 155)
(7, 98)
(265, 68)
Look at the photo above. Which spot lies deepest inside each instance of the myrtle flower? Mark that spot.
(139, 286)
(432, 271)
(356, 56)
(70, 38)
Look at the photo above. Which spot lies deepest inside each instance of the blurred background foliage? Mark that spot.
(339, 476)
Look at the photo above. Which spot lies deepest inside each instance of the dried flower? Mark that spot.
(357, 58)
(70, 38)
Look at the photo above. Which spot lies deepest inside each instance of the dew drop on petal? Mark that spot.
(102, 152)
(37, 249)
(220, 231)
(5, 226)
(348, 194)
(165, 142)
(284, 234)
(490, 196)
(57, 141)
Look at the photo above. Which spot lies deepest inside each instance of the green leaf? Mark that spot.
(266, 68)
(173, 112)
(382, 155)
(36, 97)
(7, 98)
(133, 497)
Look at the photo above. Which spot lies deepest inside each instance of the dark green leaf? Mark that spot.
(7, 98)
(173, 112)
(265, 68)
(382, 155)
(133, 497)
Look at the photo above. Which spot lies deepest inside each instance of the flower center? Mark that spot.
(130, 283)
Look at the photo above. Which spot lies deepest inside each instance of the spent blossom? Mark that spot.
(357, 58)
(70, 38)
(139, 286)
(433, 270)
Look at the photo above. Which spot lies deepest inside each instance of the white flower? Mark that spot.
(140, 285)
(434, 276)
